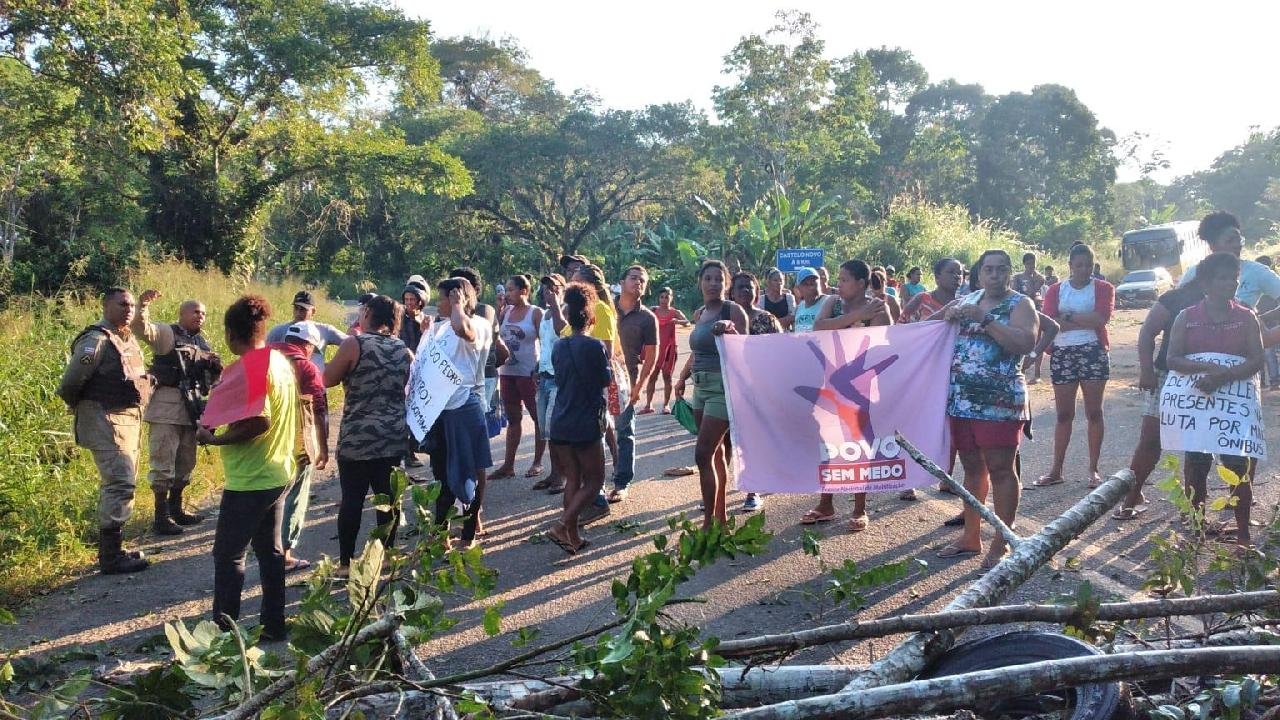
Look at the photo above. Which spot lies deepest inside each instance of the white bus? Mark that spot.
(1173, 246)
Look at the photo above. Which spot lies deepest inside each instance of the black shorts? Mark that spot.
(1079, 363)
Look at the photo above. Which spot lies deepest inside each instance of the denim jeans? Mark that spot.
(249, 517)
(296, 502)
(547, 389)
(625, 431)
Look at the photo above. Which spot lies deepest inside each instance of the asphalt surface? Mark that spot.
(781, 590)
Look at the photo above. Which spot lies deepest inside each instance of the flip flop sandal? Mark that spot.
(502, 474)
(680, 471)
(617, 496)
(534, 471)
(1129, 513)
(957, 521)
(542, 484)
(955, 551)
(1095, 482)
(569, 549)
(295, 565)
(908, 494)
(1047, 481)
(813, 517)
(859, 523)
(646, 411)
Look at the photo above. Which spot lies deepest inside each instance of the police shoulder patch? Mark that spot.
(87, 357)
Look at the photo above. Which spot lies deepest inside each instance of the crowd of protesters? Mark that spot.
(577, 355)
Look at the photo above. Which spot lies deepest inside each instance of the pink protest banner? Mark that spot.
(816, 412)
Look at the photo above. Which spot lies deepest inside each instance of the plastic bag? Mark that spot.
(683, 413)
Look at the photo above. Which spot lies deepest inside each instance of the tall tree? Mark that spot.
(1045, 166)
(554, 182)
(278, 98)
(779, 131)
(85, 86)
(493, 79)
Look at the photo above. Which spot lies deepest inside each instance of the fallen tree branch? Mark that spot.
(970, 689)
(854, 630)
(1010, 537)
(250, 708)
(418, 671)
(911, 656)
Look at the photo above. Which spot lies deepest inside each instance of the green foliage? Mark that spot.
(652, 666)
(915, 232)
(161, 693)
(849, 584)
(227, 662)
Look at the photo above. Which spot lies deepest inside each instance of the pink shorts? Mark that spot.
(968, 435)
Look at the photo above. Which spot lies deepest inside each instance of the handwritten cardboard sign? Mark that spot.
(432, 381)
(1227, 421)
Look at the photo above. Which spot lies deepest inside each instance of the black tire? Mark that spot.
(1099, 701)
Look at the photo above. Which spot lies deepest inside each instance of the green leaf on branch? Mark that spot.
(362, 583)
(493, 619)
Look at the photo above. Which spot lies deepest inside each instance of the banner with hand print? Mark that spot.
(817, 412)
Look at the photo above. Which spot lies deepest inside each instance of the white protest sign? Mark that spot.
(1227, 421)
(432, 381)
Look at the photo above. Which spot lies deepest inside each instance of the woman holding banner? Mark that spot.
(947, 275)
(1219, 325)
(460, 455)
(852, 307)
(717, 316)
(987, 402)
(373, 368)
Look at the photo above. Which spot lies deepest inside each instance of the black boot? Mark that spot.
(163, 525)
(180, 516)
(111, 561)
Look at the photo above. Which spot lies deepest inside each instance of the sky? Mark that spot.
(1193, 76)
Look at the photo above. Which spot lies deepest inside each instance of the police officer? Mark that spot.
(106, 385)
(184, 368)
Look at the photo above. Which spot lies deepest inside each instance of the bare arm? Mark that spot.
(240, 431)
(335, 371)
(1019, 336)
(1157, 320)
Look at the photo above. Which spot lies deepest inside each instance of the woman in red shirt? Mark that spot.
(668, 318)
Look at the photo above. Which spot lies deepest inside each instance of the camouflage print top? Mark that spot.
(373, 424)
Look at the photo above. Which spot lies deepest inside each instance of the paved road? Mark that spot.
(778, 591)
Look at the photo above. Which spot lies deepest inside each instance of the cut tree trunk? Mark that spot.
(912, 655)
(971, 689)
(854, 630)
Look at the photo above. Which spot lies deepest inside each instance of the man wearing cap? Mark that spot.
(304, 309)
(810, 301)
(300, 341)
(571, 263)
(105, 385)
(184, 368)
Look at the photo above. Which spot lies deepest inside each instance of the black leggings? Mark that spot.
(356, 478)
(249, 518)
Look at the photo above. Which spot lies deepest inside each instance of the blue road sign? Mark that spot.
(792, 259)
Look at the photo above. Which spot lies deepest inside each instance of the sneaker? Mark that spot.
(592, 514)
(753, 503)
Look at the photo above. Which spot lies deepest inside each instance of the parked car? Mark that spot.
(1140, 288)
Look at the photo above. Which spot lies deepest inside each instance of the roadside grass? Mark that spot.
(48, 486)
